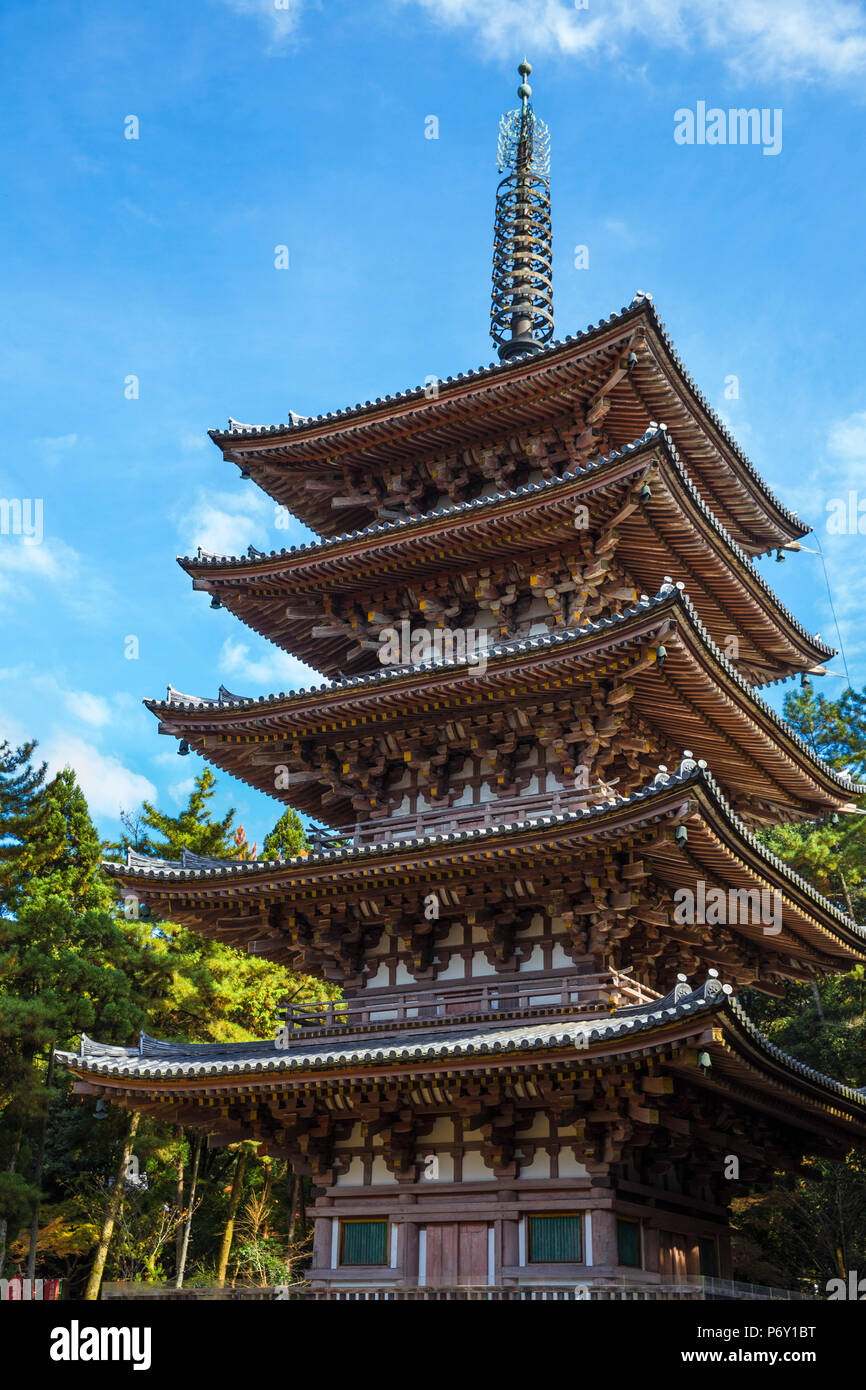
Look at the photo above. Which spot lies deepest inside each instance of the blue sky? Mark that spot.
(303, 125)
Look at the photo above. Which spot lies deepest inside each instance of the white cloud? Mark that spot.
(24, 567)
(22, 563)
(281, 17)
(271, 667)
(106, 783)
(95, 710)
(847, 440)
(622, 233)
(194, 441)
(180, 791)
(790, 39)
(58, 444)
(225, 523)
(90, 709)
(165, 759)
(141, 214)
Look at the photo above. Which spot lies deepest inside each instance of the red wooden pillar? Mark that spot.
(407, 1253)
(604, 1251)
(651, 1248)
(725, 1258)
(322, 1243)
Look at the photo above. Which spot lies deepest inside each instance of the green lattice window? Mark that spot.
(707, 1255)
(364, 1242)
(628, 1243)
(555, 1240)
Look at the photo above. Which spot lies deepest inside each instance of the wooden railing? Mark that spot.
(449, 819)
(544, 996)
(696, 1288)
(553, 1293)
(604, 1290)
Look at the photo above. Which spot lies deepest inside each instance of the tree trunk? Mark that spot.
(187, 1225)
(817, 998)
(847, 894)
(115, 1201)
(266, 1199)
(294, 1195)
(178, 1235)
(229, 1231)
(302, 1207)
(37, 1169)
(12, 1165)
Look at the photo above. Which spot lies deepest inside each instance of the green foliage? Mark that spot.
(199, 990)
(287, 838)
(834, 729)
(193, 829)
(822, 1025)
(810, 1228)
(70, 962)
(20, 814)
(806, 1229)
(17, 1196)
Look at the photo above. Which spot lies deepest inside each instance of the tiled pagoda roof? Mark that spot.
(737, 1048)
(724, 474)
(358, 560)
(403, 689)
(225, 881)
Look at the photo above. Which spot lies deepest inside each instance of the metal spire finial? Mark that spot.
(522, 305)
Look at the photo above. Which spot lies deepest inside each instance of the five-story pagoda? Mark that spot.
(540, 754)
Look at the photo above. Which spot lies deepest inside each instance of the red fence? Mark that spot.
(12, 1290)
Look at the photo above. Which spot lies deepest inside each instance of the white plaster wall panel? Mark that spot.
(380, 1176)
(475, 1170)
(454, 970)
(569, 1166)
(354, 1175)
(454, 937)
(534, 961)
(538, 1168)
(481, 965)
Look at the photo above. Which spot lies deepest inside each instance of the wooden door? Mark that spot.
(472, 1253)
(457, 1254)
(672, 1255)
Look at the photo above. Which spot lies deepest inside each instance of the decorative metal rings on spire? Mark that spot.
(521, 314)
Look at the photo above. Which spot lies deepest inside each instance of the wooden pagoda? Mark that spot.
(537, 881)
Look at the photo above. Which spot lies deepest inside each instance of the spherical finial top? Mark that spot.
(525, 68)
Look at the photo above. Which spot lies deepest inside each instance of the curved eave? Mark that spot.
(673, 532)
(529, 392)
(715, 711)
(744, 1065)
(719, 847)
(543, 1044)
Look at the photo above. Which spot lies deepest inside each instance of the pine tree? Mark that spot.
(72, 962)
(287, 838)
(834, 729)
(193, 829)
(63, 970)
(20, 811)
(805, 1222)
